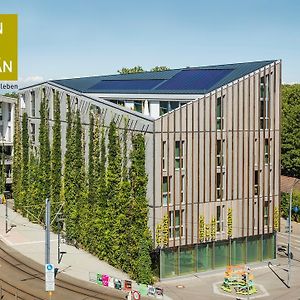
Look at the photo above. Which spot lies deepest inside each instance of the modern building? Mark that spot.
(212, 154)
(7, 106)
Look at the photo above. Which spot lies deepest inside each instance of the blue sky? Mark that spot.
(71, 38)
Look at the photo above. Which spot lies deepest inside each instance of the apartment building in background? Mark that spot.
(7, 106)
(212, 154)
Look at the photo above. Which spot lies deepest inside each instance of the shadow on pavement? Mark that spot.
(281, 279)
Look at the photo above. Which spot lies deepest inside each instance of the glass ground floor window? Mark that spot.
(191, 259)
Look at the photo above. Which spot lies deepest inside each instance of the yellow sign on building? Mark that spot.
(8, 47)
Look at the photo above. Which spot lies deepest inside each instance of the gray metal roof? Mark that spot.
(198, 80)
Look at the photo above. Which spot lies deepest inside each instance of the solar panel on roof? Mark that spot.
(119, 85)
(195, 79)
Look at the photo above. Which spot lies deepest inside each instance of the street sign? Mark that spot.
(49, 278)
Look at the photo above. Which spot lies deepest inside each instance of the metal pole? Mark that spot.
(290, 229)
(47, 232)
(6, 217)
(289, 238)
(58, 241)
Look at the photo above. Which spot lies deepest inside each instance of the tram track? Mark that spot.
(25, 277)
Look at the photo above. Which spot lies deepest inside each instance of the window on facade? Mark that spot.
(264, 102)
(256, 182)
(220, 155)
(32, 132)
(166, 190)
(220, 176)
(166, 106)
(266, 213)
(220, 218)
(182, 187)
(9, 112)
(1, 112)
(219, 113)
(1, 132)
(32, 103)
(179, 146)
(119, 102)
(266, 151)
(174, 223)
(164, 146)
(138, 105)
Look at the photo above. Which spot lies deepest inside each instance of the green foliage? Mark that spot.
(136, 69)
(201, 228)
(285, 202)
(160, 68)
(229, 222)
(56, 164)
(290, 135)
(105, 210)
(2, 173)
(12, 95)
(33, 211)
(17, 158)
(139, 180)
(25, 159)
(44, 153)
(207, 232)
(213, 228)
(276, 218)
(162, 232)
(139, 69)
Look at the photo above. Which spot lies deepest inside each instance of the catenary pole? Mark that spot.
(47, 232)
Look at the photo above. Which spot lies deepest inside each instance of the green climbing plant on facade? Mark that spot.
(229, 222)
(276, 218)
(201, 228)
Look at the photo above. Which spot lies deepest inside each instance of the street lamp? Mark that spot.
(290, 227)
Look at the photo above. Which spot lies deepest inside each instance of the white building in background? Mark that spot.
(7, 107)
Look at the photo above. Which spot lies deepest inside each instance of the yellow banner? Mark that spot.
(8, 47)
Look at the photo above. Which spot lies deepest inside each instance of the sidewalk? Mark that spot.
(29, 239)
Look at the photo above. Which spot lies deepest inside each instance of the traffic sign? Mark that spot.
(49, 278)
(296, 209)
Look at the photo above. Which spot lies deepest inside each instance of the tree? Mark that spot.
(56, 164)
(17, 158)
(91, 162)
(136, 69)
(25, 162)
(44, 153)
(139, 218)
(290, 136)
(12, 95)
(34, 203)
(160, 68)
(2, 172)
(113, 180)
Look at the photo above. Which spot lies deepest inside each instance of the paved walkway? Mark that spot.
(29, 239)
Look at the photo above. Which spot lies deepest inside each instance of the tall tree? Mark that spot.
(34, 203)
(113, 179)
(44, 152)
(2, 172)
(56, 164)
(25, 161)
(69, 183)
(141, 238)
(91, 161)
(290, 135)
(17, 158)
